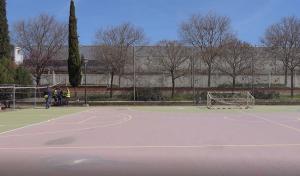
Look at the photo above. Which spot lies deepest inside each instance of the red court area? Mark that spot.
(117, 141)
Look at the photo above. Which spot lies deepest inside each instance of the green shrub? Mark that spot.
(22, 76)
(149, 94)
(260, 85)
(181, 97)
(266, 95)
(7, 72)
(106, 97)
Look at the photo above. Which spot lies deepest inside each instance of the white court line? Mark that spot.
(43, 122)
(129, 117)
(242, 121)
(273, 122)
(6, 125)
(255, 121)
(88, 119)
(155, 147)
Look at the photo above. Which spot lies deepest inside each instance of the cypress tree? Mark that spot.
(74, 62)
(5, 48)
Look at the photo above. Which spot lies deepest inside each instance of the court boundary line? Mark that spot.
(120, 122)
(86, 120)
(273, 122)
(153, 147)
(256, 121)
(40, 123)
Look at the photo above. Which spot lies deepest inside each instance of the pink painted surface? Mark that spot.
(121, 141)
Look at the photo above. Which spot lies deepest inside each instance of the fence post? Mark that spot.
(14, 97)
(248, 96)
(193, 80)
(35, 97)
(134, 81)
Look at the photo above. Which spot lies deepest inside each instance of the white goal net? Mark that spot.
(230, 99)
(14, 96)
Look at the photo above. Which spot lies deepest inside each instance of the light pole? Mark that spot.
(134, 84)
(252, 70)
(193, 79)
(85, 61)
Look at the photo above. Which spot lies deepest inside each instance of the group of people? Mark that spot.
(60, 96)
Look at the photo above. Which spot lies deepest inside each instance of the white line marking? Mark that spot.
(40, 123)
(155, 147)
(128, 118)
(79, 161)
(243, 121)
(88, 119)
(274, 122)
(6, 125)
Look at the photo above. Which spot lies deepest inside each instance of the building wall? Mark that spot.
(149, 72)
(163, 80)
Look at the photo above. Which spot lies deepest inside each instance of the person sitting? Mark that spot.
(55, 96)
(59, 97)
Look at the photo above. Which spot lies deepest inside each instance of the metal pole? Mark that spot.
(295, 79)
(193, 78)
(14, 97)
(270, 78)
(35, 97)
(85, 96)
(252, 72)
(134, 88)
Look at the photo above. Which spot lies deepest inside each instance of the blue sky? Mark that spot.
(158, 18)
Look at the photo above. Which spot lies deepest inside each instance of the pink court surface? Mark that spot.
(113, 141)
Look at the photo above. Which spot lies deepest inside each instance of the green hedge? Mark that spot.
(149, 94)
(226, 85)
(266, 95)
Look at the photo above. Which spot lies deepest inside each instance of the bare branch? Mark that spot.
(172, 56)
(41, 39)
(114, 47)
(237, 59)
(207, 34)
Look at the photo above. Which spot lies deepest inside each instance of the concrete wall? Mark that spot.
(163, 80)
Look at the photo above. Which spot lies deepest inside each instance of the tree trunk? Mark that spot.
(192, 70)
(111, 84)
(119, 81)
(292, 83)
(285, 75)
(209, 76)
(233, 82)
(38, 80)
(173, 86)
(75, 93)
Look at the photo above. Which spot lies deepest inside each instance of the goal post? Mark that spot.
(16, 96)
(20, 97)
(230, 99)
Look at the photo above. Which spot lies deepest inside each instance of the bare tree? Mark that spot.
(173, 57)
(237, 59)
(41, 39)
(207, 34)
(283, 40)
(114, 48)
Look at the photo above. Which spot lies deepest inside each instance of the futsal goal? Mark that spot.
(15, 96)
(230, 99)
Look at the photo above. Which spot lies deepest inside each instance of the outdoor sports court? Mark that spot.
(155, 140)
